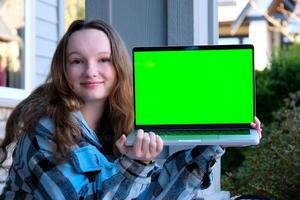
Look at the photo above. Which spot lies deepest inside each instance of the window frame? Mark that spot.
(10, 97)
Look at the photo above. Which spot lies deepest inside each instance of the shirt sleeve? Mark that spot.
(184, 174)
(85, 175)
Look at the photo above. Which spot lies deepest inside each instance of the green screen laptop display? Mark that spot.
(200, 86)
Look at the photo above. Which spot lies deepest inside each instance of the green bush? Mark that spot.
(265, 103)
(275, 83)
(273, 167)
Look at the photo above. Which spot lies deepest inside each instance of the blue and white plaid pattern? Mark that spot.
(88, 174)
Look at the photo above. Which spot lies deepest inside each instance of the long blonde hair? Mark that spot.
(56, 99)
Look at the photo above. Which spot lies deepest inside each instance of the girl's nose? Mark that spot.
(91, 69)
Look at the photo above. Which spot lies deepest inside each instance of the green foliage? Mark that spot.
(265, 96)
(275, 83)
(273, 167)
(232, 159)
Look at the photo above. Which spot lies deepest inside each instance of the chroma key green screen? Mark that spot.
(198, 86)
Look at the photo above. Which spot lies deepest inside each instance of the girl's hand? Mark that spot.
(146, 146)
(257, 125)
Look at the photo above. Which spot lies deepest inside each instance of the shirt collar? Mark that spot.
(87, 131)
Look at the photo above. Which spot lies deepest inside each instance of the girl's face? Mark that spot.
(89, 67)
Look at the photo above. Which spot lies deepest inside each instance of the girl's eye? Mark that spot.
(76, 61)
(104, 60)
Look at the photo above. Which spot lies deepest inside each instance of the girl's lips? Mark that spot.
(91, 84)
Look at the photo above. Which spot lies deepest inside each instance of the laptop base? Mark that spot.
(245, 138)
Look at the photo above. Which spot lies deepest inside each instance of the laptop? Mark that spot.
(195, 95)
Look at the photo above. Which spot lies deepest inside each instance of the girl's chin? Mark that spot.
(94, 98)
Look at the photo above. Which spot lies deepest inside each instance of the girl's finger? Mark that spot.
(159, 144)
(152, 144)
(256, 120)
(120, 143)
(145, 144)
(137, 146)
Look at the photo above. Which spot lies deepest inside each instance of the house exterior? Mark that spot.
(28, 47)
(256, 22)
(43, 26)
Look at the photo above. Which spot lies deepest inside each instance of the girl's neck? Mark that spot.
(92, 113)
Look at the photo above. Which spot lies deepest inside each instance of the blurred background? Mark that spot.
(273, 28)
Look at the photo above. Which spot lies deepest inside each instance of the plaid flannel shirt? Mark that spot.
(88, 174)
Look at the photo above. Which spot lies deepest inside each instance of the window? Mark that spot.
(12, 43)
(15, 51)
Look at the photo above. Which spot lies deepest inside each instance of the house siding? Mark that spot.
(46, 11)
(47, 36)
(48, 22)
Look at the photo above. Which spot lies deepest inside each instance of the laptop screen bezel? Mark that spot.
(194, 126)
